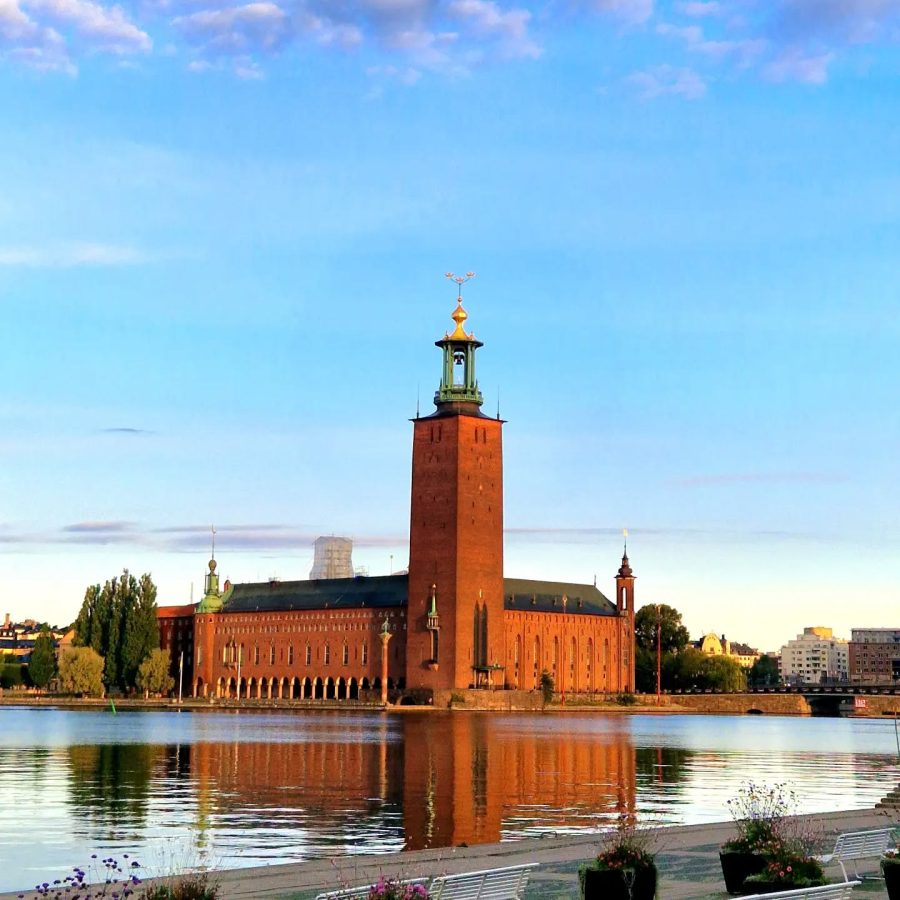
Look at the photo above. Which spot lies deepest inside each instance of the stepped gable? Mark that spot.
(526, 595)
(376, 592)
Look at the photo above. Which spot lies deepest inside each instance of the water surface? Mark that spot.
(183, 789)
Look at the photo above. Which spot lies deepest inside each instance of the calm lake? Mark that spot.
(185, 789)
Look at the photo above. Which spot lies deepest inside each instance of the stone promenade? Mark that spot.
(687, 856)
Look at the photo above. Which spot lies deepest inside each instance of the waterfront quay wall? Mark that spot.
(739, 704)
(499, 700)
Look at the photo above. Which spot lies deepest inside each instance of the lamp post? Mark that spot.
(565, 601)
(385, 636)
(658, 653)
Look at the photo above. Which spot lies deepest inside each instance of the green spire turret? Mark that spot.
(458, 381)
(212, 598)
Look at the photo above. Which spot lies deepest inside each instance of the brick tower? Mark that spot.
(625, 606)
(455, 624)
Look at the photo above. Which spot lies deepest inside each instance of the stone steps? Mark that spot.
(891, 801)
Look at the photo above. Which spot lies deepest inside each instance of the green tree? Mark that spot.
(674, 637)
(153, 673)
(722, 673)
(764, 672)
(12, 675)
(140, 635)
(42, 666)
(645, 670)
(684, 671)
(118, 621)
(81, 672)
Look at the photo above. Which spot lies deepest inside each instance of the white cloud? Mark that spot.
(487, 20)
(69, 255)
(633, 12)
(665, 80)
(106, 29)
(794, 64)
(699, 9)
(236, 29)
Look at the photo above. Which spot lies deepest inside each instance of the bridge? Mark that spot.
(808, 700)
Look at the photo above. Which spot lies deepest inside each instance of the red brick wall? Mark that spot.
(582, 653)
(272, 648)
(456, 543)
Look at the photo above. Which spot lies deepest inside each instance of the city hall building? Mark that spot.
(453, 622)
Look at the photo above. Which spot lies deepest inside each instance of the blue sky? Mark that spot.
(223, 233)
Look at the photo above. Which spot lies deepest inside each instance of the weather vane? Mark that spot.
(460, 281)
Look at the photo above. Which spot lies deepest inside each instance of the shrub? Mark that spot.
(185, 887)
(626, 699)
(547, 687)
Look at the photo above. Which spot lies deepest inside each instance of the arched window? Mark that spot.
(256, 655)
(345, 655)
(290, 654)
(308, 654)
(364, 654)
(271, 654)
(327, 654)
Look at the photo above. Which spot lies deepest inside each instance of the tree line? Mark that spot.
(682, 666)
(116, 645)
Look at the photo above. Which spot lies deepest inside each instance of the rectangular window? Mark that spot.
(346, 655)
(365, 654)
(290, 654)
(272, 655)
(308, 654)
(327, 654)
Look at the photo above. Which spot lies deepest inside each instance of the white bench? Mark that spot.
(855, 845)
(839, 891)
(491, 884)
(362, 892)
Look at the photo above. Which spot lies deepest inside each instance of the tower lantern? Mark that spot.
(458, 381)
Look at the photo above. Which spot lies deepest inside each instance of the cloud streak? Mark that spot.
(69, 255)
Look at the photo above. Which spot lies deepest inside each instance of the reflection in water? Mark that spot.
(110, 783)
(224, 789)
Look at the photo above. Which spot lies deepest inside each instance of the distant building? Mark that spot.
(333, 558)
(17, 638)
(814, 657)
(875, 655)
(713, 645)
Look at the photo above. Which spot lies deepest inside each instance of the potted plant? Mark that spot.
(758, 811)
(789, 865)
(890, 868)
(624, 869)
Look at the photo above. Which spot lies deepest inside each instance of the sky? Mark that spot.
(224, 229)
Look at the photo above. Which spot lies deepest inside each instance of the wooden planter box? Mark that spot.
(611, 884)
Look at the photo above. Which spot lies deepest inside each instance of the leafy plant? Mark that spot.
(185, 887)
(118, 881)
(759, 813)
(392, 889)
(547, 687)
(790, 865)
(626, 699)
(891, 858)
(622, 849)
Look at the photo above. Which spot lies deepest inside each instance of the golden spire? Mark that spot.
(459, 314)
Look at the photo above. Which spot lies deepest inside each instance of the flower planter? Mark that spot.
(892, 879)
(613, 884)
(736, 866)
